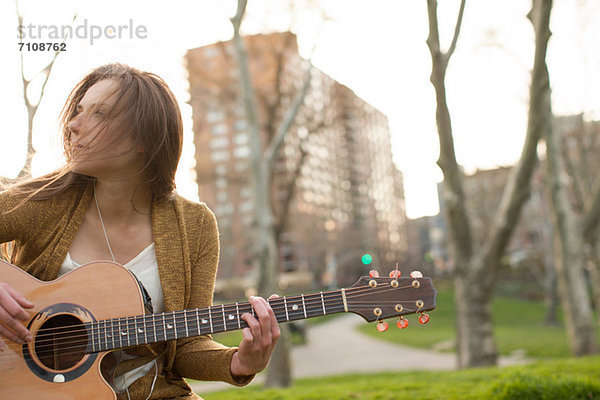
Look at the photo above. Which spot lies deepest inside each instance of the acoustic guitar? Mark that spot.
(98, 308)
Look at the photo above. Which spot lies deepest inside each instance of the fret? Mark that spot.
(304, 307)
(127, 332)
(126, 335)
(313, 309)
(224, 322)
(174, 325)
(237, 311)
(185, 319)
(204, 321)
(118, 336)
(323, 302)
(105, 334)
(132, 331)
(144, 331)
(287, 316)
(210, 320)
(97, 336)
(164, 325)
(170, 333)
(230, 318)
(94, 350)
(294, 308)
(112, 333)
(198, 321)
(89, 327)
(152, 320)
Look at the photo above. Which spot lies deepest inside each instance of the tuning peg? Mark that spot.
(423, 318)
(382, 326)
(402, 323)
(395, 274)
(416, 274)
(373, 274)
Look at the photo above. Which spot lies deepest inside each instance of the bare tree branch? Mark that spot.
(290, 116)
(31, 107)
(456, 31)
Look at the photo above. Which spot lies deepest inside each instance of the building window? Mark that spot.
(222, 197)
(247, 206)
(219, 129)
(241, 138)
(240, 125)
(221, 170)
(242, 152)
(215, 116)
(219, 142)
(221, 183)
(221, 155)
(245, 192)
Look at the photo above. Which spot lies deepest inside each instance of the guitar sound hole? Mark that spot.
(60, 342)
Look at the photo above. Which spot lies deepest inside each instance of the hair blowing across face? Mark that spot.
(145, 109)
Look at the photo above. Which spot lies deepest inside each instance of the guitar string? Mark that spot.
(314, 298)
(133, 322)
(82, 344)
(309, 299)
(80, 350)
(84, 337)
(83, 340)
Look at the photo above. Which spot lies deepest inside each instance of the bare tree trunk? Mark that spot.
(266, 248)
(475, 272)
(570, 261)
(265, 244)
(569, 230)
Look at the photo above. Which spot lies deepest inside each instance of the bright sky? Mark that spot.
(376, 47)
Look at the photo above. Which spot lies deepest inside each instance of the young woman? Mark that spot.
(115, 200)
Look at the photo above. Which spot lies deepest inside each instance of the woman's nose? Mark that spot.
(75, 124)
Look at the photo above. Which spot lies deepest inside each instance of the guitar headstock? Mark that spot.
(375, 298)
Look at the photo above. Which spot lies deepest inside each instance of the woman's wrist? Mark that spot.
(239, 374)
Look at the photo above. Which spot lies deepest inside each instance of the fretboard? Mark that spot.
(119, 333)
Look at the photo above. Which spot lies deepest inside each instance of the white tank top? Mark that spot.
(145, 268)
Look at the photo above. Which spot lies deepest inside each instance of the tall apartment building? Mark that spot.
(336, 193)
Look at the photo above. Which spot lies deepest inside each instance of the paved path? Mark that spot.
(336, 347)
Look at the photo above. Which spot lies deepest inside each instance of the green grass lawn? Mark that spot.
(556, 379)
(519, 325)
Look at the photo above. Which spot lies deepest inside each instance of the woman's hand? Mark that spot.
(260, 337)
(12, 309)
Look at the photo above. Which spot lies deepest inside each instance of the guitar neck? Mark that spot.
(119, 333)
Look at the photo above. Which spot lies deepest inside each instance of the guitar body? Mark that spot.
(45, 369)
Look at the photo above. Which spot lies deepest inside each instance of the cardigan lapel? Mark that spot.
(76, 216)
(168, 244)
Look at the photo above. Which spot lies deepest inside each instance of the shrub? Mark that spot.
(544, 386)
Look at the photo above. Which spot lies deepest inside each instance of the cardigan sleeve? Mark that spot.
(202, 358)
(16, 219)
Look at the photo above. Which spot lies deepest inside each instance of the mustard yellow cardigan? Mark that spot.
(187, 250)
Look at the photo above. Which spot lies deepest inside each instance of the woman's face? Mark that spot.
(99, 146)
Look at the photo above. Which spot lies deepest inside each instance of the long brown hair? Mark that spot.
(148, 113)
